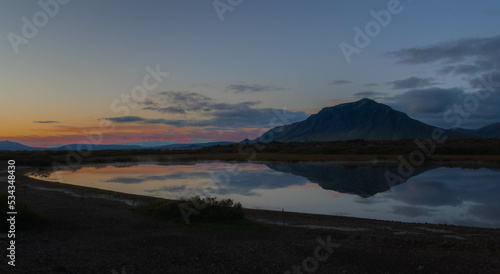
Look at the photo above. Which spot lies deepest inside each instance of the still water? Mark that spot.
(433, 194)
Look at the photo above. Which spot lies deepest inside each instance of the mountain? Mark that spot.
(8, 145)
(364, 119)
(491, 131)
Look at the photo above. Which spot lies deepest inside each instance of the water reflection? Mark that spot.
(364, 181)
(434, 195)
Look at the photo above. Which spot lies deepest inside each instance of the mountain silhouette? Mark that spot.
(8, 145)
(491, 131)
(364, 119)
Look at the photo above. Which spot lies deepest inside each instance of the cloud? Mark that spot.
(252, 88)
(134, 119)
(237, 118)
(368, 94)
(412, 82)
(468, 57)
(175, 102)
(46, 122)
(432, 100)
(371, 85)
(430, 105)
(172, 110)
(451, 51)
(206, 112)
(340, 82)
(486, 81)
(475, 60)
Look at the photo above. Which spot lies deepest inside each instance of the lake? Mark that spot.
(433, 195)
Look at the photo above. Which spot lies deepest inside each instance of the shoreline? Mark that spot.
(95, 235)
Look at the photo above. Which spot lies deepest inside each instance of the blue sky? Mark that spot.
(263, 55)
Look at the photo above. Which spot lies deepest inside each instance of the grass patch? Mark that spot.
(26, 217)
(196, 209)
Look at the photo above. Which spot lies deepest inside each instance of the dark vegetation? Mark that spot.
(196, 210)
(458, 147)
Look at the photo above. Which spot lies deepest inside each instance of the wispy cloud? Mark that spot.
(413, 82)
(135, 119)
(165, 110)
(451, 51)
(252, 88)
(46, 122)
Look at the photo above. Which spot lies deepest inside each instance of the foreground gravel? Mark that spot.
(86, 234)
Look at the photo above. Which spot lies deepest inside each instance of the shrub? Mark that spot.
(209, 209)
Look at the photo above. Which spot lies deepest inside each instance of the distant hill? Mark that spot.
(8, 145)
(12, 146)
(364, 119)
(491, 131)
(192, 146)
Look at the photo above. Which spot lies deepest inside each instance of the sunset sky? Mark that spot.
(68, 67)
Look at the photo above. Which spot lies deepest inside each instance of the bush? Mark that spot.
(203, 210)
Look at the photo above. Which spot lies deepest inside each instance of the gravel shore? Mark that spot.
(94, 231)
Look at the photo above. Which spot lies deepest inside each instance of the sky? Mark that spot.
(184, 71)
